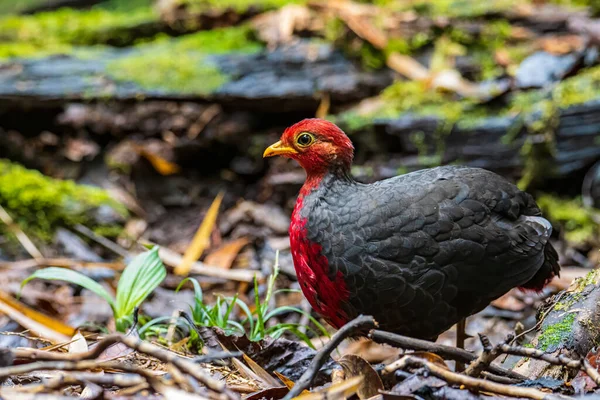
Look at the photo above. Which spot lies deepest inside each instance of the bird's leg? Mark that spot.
(461, 335)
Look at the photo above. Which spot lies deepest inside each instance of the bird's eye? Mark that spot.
(305, 139)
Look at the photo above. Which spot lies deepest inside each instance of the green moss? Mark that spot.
(57, 32)
(577, 221)
(238, 5)
(555, 334)
(463, 8)
(180, 64)
(578, 89)
(39, 204)
(592, 278)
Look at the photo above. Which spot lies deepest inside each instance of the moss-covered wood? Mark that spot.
(40, 204)
(570, 325)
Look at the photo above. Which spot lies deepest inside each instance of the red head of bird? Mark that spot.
(318, 145)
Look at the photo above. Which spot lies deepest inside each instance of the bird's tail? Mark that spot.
(550, 268)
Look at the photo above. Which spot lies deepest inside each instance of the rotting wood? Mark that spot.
(569, 329)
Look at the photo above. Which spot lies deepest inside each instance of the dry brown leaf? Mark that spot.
(261, 373)
(560, 45)
(160, 164)
(354, 366)
(431, 357)
(78, 344)
(287, 381)
(225, 255)
(340, 391)
(201, 239)
(38, 323)
(269, 393)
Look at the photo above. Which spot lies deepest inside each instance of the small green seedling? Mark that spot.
(254, 323)
(145, 272)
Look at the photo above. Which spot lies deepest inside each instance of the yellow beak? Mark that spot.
(278, 149)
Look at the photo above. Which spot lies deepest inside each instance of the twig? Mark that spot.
(110, 245)
(448, 352)
(490, 353)
(59, 262)
(186, 366)
(25, 336)
(467, 381)
(487, 356)
(21, 236)
(81, 378)
(172, 259)
(77, 366)
(591, 371)
(353, 327)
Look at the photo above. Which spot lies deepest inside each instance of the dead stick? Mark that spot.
(353, 327)
(469, 382)
(591, 371)
(81, 378)
(487, 356)
(81, 365)
(448, 352)
(143, 347)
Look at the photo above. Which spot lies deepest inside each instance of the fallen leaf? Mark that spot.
(261, 372)
(354, 366)
(287, 381)
(225, 255)
(201, 239)
(274, 393)
(509, 302)
(38, 323)
(78, 344)
(340, 390)
(431, 357)
(160, 164)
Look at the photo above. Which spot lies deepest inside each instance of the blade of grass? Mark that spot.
(77, 278)
(201, 239)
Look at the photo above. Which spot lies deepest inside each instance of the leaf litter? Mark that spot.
(243, 332)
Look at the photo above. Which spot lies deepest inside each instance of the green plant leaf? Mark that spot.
(77, 278)
(145, 272)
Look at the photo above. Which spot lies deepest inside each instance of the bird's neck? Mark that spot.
(315, 179)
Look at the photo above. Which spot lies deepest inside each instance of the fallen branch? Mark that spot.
(490, 353)
(186, 366)
(447, 352)
(352, 328)
(487, 356)
(467, 381)
(82, 378)
(77, 366)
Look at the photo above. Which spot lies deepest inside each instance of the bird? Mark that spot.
(418, 252)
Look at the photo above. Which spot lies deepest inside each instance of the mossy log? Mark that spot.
(571, 326)
(292, 78)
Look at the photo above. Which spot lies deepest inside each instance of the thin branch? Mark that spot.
(21, 236)
(352, 328)
(487, 356)
(447, 352)
(490, 353)
(81, 365)
(467, 381)
(186, 366)
(591, 371)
